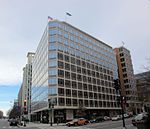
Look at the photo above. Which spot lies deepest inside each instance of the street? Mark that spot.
(4, 124)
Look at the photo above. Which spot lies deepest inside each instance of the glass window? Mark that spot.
(60, 73)
(52, 46)
(52, 39)
(52, 63)
(52, 72)
(52, 81)
(52, 55)
(53, 90)
(60, 56)
(53, 24)
(60, 64)
(53, 32)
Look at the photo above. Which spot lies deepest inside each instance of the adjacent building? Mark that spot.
(24, 95)
(74, 71)
(127, 79)
(1, 114)
(143, 88)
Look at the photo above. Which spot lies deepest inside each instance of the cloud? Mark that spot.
(10, 73)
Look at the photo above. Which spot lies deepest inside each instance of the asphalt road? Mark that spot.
(112, 125)
(4, 124)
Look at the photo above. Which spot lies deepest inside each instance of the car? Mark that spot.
(13, 122)
(126, 115)
(115, 118)
(97, 120)
(107, 118)
(79, 121)
(140, 118)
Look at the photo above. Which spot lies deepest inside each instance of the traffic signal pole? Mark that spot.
(121, 100)
(122, 112)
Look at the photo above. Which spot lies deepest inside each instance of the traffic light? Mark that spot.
(25, 107)
(116, 84)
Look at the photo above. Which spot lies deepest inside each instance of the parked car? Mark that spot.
(97, 120)
(79, 121)
(140, 118)
(126, 116)
(115, 118)
(107, 118)
(13, 122)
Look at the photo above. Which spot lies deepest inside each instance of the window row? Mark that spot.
(84, 94)
(86, 103)
(84, 86)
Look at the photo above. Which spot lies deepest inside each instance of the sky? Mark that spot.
(22, 23)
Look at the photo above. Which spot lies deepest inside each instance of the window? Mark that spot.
(61, 82)
(84, 79)
(52, 55)
(67, 83)
(79, 85)
(86, 102)
(83, 64)
(52, 81)
(52, 39)
(73, 68)
(80, 94)
(60, 64)
(78, 69)
(73, 60)
(60, 73)
(73, 76)
(68, 92)
(85, 95)
(61, 91)
(60, 56)
(67, 66)
(121, 54)
(74, 85)
(79, 77)
(78, 62)
(61, 101)
(75, 102)
(90, 88)
(85, 86)
(67, 74)
(83, 71)
(68, 102)
(52, 72)
(52, 90)
(74, 93)
(52, 63)
(53, 32)
(66, 58)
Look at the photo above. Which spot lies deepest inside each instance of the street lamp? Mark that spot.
(51, 106)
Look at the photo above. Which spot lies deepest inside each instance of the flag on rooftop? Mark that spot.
(68, 14)
(50, 18)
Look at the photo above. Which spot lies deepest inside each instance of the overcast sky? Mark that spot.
(22, 23)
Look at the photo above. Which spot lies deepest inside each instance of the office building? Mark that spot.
(143, 89)
(75, 71)
(24, 95)
(127, 79)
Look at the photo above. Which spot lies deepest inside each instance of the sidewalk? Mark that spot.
(46, 126)
(55, 126)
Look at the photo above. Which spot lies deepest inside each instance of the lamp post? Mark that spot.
(51, 106)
